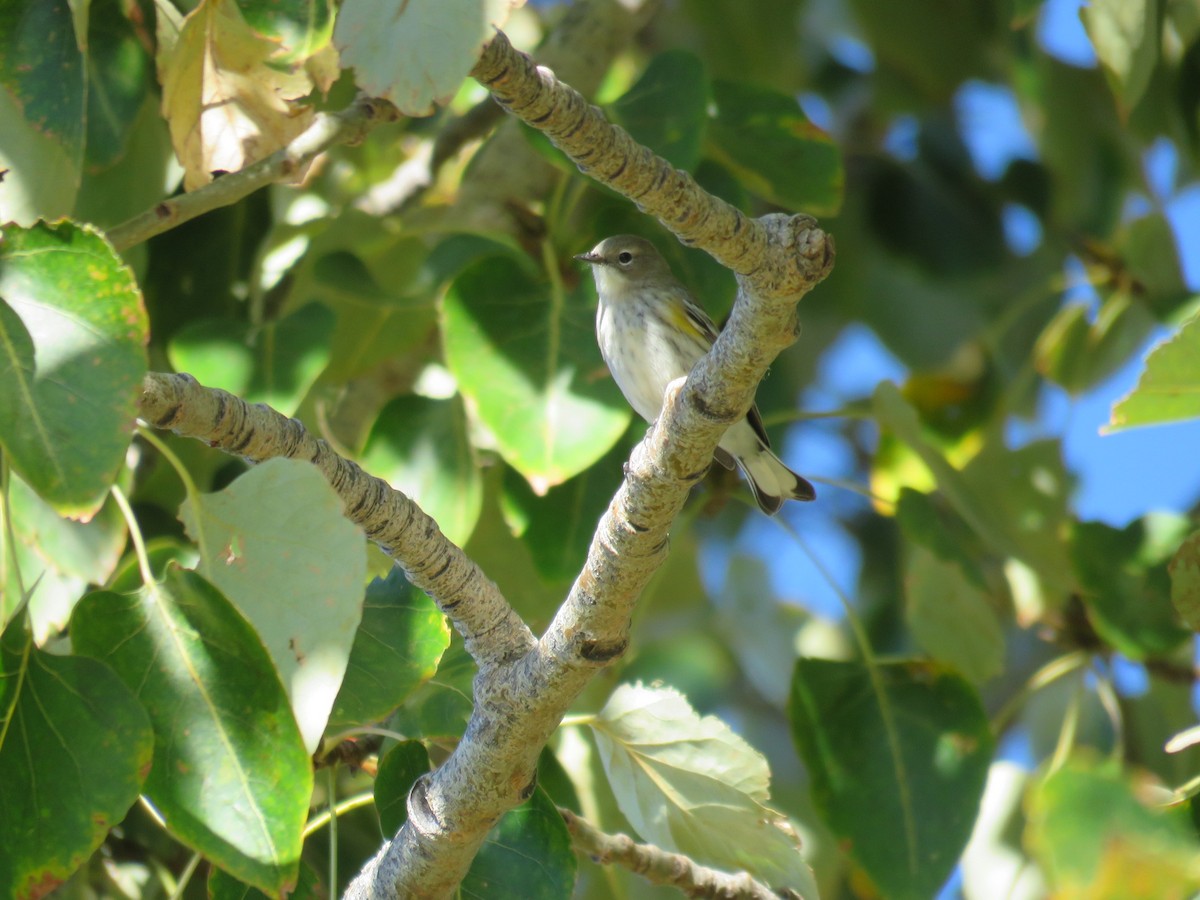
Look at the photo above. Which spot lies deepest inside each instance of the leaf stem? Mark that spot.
(135, 534)
(189, 485)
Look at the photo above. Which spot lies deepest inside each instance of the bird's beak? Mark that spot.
(590, 257)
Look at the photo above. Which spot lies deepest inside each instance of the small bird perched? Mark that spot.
(652, 332)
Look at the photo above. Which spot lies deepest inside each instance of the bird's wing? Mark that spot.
(700, 319)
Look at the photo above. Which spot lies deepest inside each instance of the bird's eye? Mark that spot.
(624, 257)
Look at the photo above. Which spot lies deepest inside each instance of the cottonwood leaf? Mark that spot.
(75, 746)
(230, 775)
(73, 333)
(226, 104)
(690, 785)
(277, 545)
(416, 52)
(1169, 389)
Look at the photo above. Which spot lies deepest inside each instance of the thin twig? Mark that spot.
(660, 866)
(327, 129)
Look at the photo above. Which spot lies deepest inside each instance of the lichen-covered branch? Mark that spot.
(507, 173)
(608, 154)
(492, 630)
(327, 129)
(658, 866)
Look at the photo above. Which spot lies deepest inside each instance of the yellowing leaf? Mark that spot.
(226, 106)
(692, 786)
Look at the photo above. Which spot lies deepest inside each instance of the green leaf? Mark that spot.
(74, 333)
(1125, 35)
(1125, 583)
(42, 91)
(928, 47)
(75, 746)
(525, 356)
(558, 527)
(1084, 145)
(417, 54)
(141, 176)
(231, 775)
(690, 785)
(223, 886)
(1095, 838)
(527, 854)
(1184, 570)
(56, 558)
(533, 832)
(303, 27)
(665, 108)
(379, 284)
(402, 765)
(951, 618)
(1169, 389)
(276, 363)
(119, 72)
(399, 643)
(1015, 501)
(898, 755)
(761, 630)
(420, 447)
(772, 148)
(439, 709)
(1079, 354)
(277, 545)
(1151, 251)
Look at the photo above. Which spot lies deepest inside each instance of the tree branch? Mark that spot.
(327, 129)
(777, 260)
(609, 155)
(661, 867)
(492, 630)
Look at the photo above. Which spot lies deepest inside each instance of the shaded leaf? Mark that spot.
(42, 99)
(118, 80)
(57, 558)
(420, 447)
(1125, 583)
(75, 746)
(398, 645)
(276, 363)
(951, 618)
(526, 359)
(402, 765)
(231, 775)
(898, 755)
(1184, 570)
(558, 527)
(532, 831)
(665, 108)
(765, 139)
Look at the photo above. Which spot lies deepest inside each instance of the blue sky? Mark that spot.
(1121, 476)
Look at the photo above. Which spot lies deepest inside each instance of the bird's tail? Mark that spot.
(772, 482)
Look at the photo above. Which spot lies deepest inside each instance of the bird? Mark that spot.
(651, 332)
